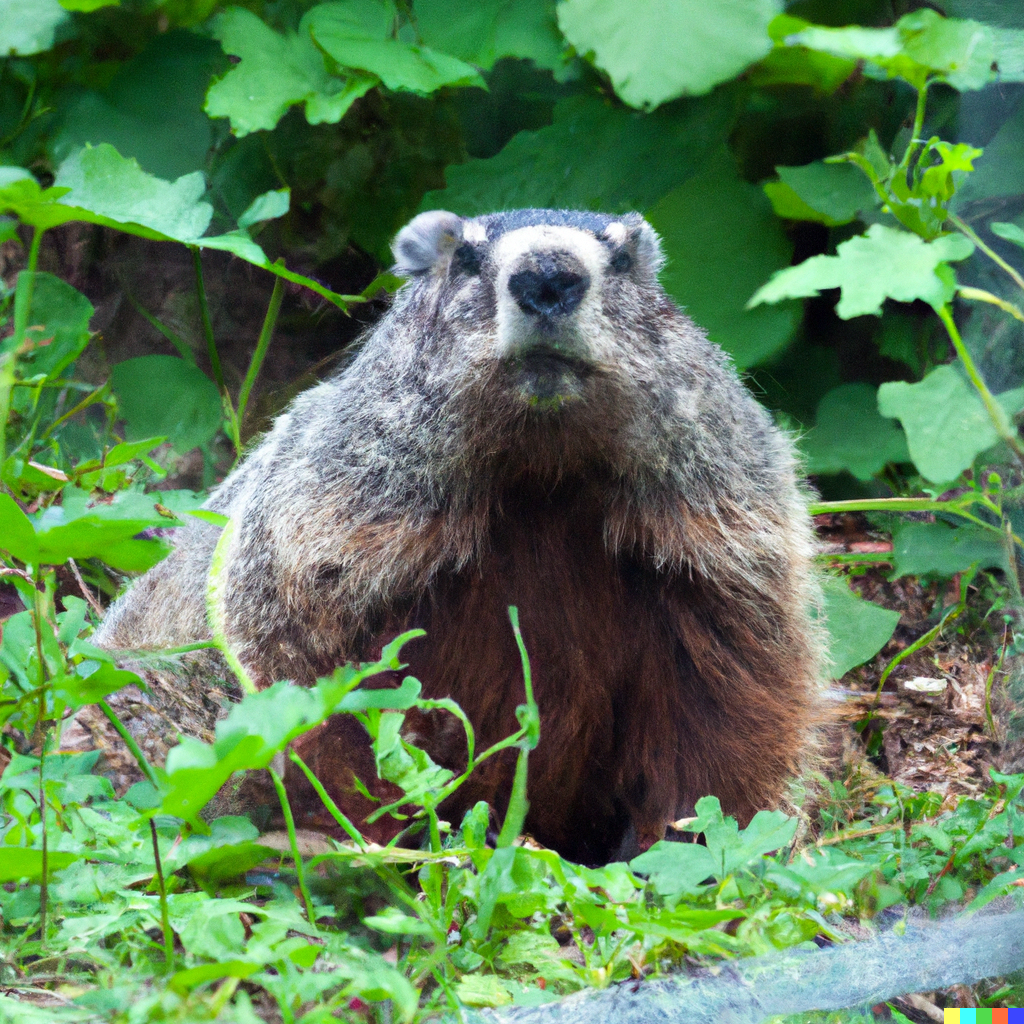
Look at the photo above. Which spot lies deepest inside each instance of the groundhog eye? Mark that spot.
(466, 260)
(621, 261)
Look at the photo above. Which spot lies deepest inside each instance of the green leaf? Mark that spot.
(29, 26)
(675, 869)
(885, 263)
(86, 6)
(850, 434)
(166, 395)
(487, 30)
(151, 110)
(1008, 232)
(833, 193)
(83, 688)
(830, 870)
(576, 162)
(924, 45)
(658, 51)
(392, 921)
(945, 420)
(19, 864)
(351, 43)
(797, 65)
(62, 314)
(276, 72)
(103, 182)
(939, 550)
(858, 629)
(721, 238)
(268, 206)
(17, 534)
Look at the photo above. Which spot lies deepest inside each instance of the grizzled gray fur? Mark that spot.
(531, 364)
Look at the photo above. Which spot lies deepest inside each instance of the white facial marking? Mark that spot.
(616, 233)
(587, 322)
(473, 231)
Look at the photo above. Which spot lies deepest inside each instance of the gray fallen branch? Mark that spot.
(930, 955)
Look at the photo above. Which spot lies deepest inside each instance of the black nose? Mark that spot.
(548, 291)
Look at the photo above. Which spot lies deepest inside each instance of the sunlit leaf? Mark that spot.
(29, 26)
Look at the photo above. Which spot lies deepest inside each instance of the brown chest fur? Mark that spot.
(652, 691)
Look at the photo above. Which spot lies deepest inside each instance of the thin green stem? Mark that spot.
(332, 808)
(9, 355)
(165, 919)
(215, 608)
(1002, 423)
(997, 667)
(980, 295)
(266, 333)
(45, 868)
(289, 822)
(918, 127)
(90, 399)
(175, 339)
(129, 742)
(964, 227)
(204, 313)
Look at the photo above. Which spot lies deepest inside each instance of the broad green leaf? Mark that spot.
(945, 420)
(83, 527)
(1008, 232)
(941, 550)
(29, 26)
(487, 30)
(102, 181)
(850, 434)
(721, 238)
(166, 395)
(79, 689)
(675, 869)
(17, 534)
(832, 193)
(924, 45)
(276, 72)
(657, 51)
(797, 65)
(268, 206)
(19, 864)
(151, 110)
(885, 263)
(88, 5)
(576, 162)
(393, 922)
(398, 65)
(858, 629)
(830, 870)
(483, 990)
(61, 314)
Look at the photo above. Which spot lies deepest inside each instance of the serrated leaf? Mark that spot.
(858, 629)
(29, 26)
(945, 420)
(276, 72)
(168, 396)
(885, 263)
(487, 30)
(933, 550)
(576, 162)
(658, 51)
(924, 45)
(721, 237)
(400, 66)
(850, 434)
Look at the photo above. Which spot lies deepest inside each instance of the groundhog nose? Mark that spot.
(549, 291)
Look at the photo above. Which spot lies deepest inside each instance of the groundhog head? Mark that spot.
(552, 288)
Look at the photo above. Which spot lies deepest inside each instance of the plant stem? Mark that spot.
(996, 668)
(987, 250)
(215, 608)
(293, 840)
(1004, 428)
(915, 132)
(266, 333)
(44, 877)
(332, 808)
(165, 920)
(204, 313)
(9, 348)
(129, 742)
(980, 295)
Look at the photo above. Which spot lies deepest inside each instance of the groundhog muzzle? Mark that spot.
(533, 423)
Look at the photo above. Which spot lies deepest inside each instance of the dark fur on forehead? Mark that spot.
(497, 224)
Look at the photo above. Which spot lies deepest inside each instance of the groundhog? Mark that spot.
(533, 423)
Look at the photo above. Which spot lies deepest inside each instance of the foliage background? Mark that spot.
(199, 202)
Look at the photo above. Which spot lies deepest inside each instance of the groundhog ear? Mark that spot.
(425, 240)
(646, 243)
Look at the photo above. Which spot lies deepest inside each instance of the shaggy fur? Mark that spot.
(535, 423)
